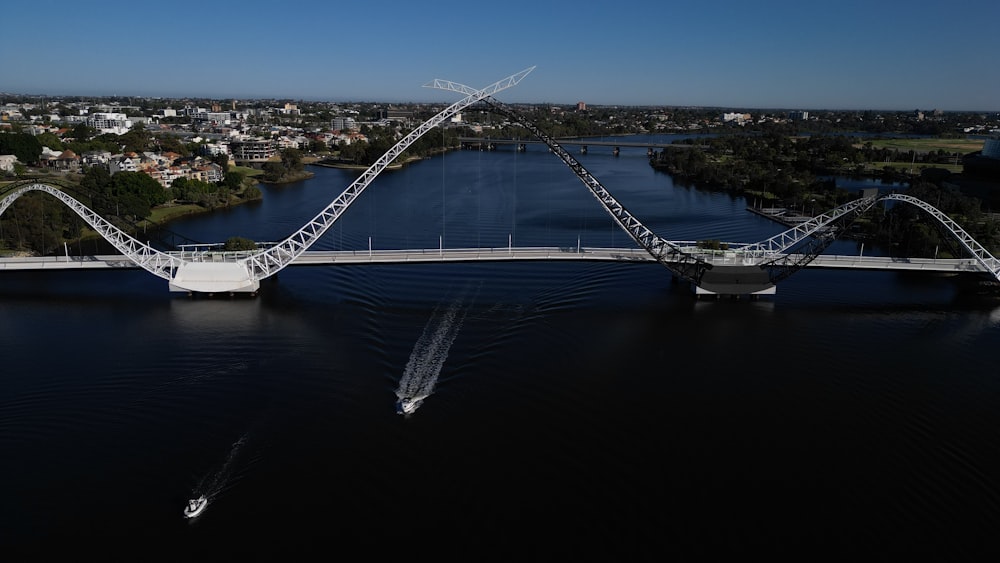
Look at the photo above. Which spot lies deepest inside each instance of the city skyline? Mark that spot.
(775, 55)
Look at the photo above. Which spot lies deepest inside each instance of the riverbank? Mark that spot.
(347, 166)
(290, 178)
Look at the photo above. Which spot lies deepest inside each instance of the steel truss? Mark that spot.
(683, 264)
(820, 231)
(771, 254)
(270, 261)
(153, 261)
(977, 250)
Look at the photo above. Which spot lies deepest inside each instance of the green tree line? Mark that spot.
(793, 173)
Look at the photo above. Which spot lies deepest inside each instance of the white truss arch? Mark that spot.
(773, 249)
(198, 274)
(153, 261)
(977, 250)
(242, 272)
(768, 249)
(684, 264)
(270, 261)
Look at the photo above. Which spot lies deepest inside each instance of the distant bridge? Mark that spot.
(487, 143)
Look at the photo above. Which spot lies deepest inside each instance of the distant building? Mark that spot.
(343, 123)
(581, 106)
(94, 158)
(7, 162)
(798, 115)
(215, 149)
(68, 160)
(124, 163)
(209, 173)
(115, 123)
(739, 118)
(402, 115)
(252, 150)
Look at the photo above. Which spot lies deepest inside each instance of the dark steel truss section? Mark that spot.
(682, 264)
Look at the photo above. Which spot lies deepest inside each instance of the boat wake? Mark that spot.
(428, 356)
(214, 483)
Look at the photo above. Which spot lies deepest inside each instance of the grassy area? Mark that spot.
(166, 213)
(917, 167)
(246, 170)
(929, 145)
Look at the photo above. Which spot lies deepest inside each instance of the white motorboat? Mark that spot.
(409, 405)
(195, 506)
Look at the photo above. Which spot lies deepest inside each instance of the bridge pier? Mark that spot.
(735, 281)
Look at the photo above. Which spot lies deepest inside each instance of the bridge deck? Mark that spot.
(502, 254)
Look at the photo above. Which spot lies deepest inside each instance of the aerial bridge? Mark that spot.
(752, 269)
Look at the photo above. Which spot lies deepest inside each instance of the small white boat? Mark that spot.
(409, 405)
(195, 506)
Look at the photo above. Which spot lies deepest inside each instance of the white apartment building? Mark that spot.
(252, 149)
(343, 123)
(216, 117)
(739, 118)
(216, 148)
(116, 123)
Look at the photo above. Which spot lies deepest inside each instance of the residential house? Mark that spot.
(7, 162)
(124, 163)
(68, 160)
(94, 158)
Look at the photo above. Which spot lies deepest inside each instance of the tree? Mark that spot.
(83, 132)
(239, 243)
(291, 159)
(137, 139)
(171, 143)
(135, 193)
(24, 146)
(50, 140)
(352, 152)
(222, 159)
(274, 171)
(233, 180)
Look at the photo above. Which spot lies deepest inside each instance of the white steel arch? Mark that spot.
(758, 252)
(680, 261)
(270, 261)
(773, 249)
(970, 244)
(205, 275)
(153, 261)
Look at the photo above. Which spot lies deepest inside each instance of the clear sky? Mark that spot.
(797, 54)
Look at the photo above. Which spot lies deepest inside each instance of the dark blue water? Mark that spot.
(585, 411)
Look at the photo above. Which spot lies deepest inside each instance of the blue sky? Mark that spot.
(875, 54)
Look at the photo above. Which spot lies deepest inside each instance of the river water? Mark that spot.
(582, 410)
